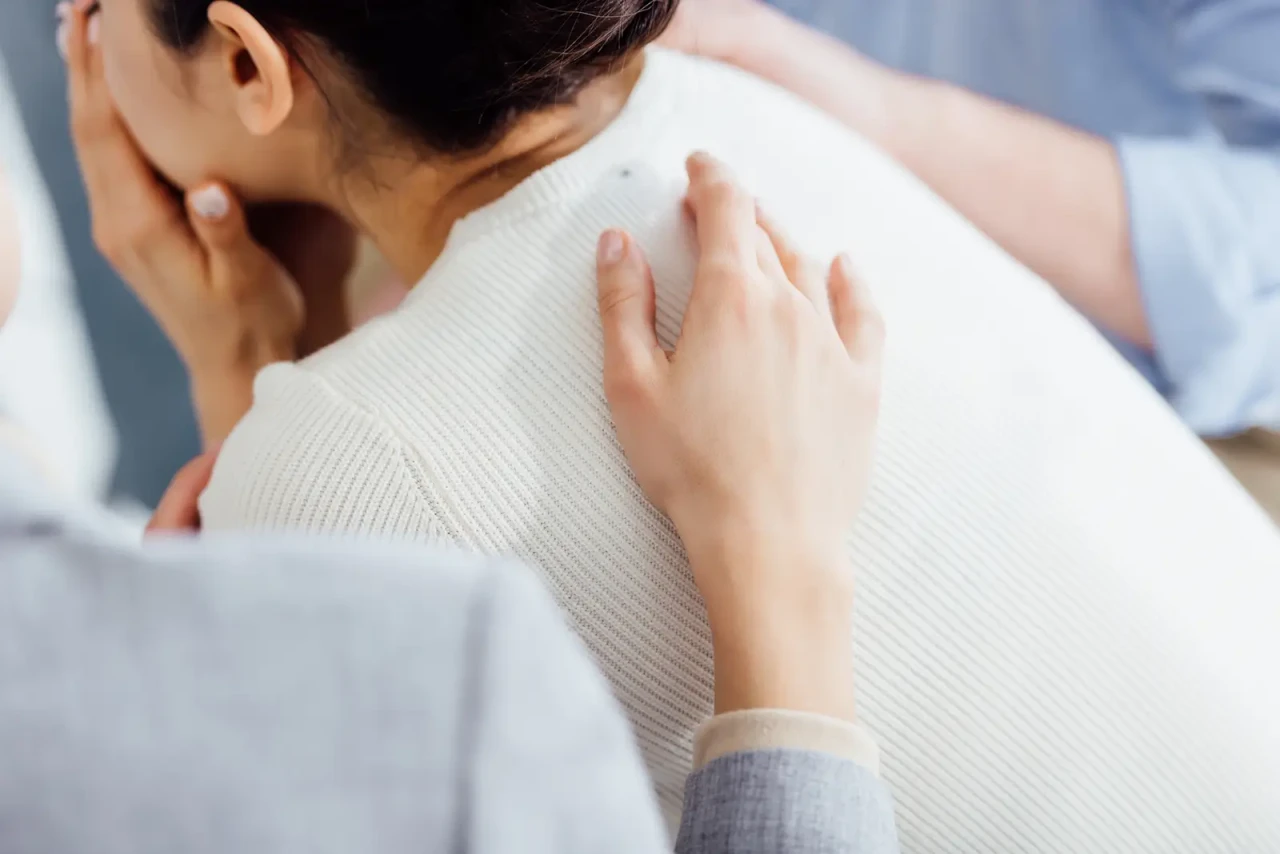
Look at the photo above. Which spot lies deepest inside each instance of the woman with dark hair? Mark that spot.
(1036, 603)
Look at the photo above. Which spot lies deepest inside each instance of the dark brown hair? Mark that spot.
(451, 73)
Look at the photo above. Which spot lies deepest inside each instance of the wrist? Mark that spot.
(740, 558)
(771, 654)
(781, 614)
(222, 393)
(242, 355)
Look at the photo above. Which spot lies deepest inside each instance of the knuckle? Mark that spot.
(623, 384)
(614, 300)
(147, 228)
(737, 300)
(722, 192)
(124, 242)
(786, 308)
(724, 272)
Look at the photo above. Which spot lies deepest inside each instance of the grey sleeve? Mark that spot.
(784, 801)
(246, 695)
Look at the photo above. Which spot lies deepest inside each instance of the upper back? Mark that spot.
(1036, 512)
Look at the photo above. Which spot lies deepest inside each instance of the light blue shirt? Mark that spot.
(1189, 91)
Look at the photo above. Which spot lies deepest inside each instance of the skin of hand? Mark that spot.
(1051, 195)
(755, 437)
(227, 303)
(178, 511)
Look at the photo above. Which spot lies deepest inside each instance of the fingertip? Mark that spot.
(704, 168)
(612, 248)
(697, 162)
(842, 269)
(210, 202)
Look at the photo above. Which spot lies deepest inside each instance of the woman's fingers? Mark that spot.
(725, 215)
(632, 356)
(769, 262)
(857, 319)
(802, 273)
(222, 229)
(179, 508)
(133, 213)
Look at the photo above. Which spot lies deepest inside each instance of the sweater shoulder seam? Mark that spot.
(434, 510)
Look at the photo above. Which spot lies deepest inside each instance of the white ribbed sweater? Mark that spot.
(1068, 622)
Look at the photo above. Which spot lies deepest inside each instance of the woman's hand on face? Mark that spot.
(226, 303)
(755, 437)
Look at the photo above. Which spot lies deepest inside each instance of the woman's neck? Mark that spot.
(408, 206)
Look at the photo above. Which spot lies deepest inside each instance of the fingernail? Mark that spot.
(94, 28)
(613, 247)
(62, 10)
(61, 39)
(210, 202)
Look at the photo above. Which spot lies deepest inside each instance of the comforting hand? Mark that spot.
(756, 435)
(226, 302)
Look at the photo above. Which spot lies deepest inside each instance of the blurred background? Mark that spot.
(82, 365)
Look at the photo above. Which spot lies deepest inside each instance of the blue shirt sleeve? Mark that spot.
(1206, 221)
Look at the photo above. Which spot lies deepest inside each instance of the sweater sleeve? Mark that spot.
(307, 459)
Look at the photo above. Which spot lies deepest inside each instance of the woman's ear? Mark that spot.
(258, 67)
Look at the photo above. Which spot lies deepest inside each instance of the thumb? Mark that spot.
(632, 356)
(219, 222)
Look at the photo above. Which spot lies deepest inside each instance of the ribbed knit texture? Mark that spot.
(1068, 619)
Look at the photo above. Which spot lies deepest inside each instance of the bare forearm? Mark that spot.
(1050, 195)
(778, 645)
(222, 390)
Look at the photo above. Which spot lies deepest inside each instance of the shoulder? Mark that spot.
(309, 456)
